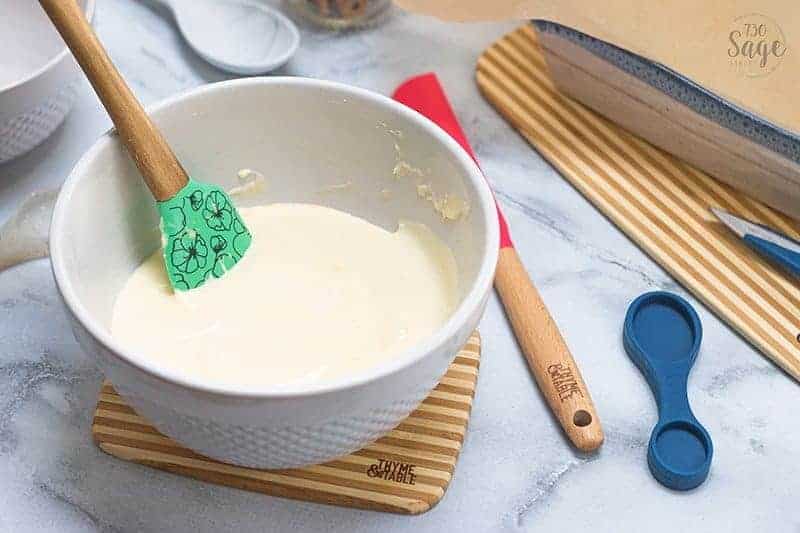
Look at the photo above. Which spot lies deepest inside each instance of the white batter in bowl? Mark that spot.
(317, 143)
(319, 295)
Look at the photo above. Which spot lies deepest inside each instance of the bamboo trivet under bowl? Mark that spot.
(657, 200)
(407, 471)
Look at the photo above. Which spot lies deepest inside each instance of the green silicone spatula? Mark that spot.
(203, 234)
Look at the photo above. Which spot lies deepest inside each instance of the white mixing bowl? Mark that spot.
(307, 137)
(37, 76)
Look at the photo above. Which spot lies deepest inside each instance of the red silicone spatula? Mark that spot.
(547, 354)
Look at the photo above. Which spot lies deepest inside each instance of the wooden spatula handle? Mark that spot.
(160, 168)
(546, 352)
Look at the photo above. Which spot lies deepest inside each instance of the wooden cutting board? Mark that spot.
(407, 471)
(660, 202)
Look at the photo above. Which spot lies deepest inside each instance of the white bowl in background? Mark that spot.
(37, 76)
(306, 136)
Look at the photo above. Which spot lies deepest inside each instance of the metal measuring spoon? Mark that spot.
(239, 36)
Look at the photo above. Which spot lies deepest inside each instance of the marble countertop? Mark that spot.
(516, 472)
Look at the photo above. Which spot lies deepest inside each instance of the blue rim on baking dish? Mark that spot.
(681, 89)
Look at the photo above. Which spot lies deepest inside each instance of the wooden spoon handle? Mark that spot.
(159, 167)
(546, 352)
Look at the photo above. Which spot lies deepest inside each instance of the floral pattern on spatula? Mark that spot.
(205, 235)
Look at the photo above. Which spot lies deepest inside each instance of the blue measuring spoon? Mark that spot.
(662, 336)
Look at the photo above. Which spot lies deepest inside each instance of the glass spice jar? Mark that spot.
(342, 14)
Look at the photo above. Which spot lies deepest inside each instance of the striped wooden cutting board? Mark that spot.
(660, 202)
(407, 471)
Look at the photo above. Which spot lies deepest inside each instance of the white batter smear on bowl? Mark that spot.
(319, 295)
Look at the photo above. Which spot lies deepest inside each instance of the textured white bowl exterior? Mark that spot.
(284, 427)
(25, 131)
(278, 432)
(31, 110)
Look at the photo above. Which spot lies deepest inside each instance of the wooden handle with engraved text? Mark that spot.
(546, 352)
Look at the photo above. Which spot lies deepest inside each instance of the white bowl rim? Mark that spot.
(469, 305)
(52, 62)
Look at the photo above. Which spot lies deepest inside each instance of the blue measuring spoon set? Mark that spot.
(662, 335)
